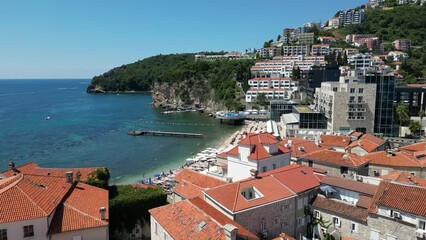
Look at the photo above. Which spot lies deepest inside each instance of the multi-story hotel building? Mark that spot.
(295, 50)
(348, 105)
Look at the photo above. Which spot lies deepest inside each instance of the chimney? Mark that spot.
(12, 166)
(230, 232)
(254, 173)
(69, 176)
(102, 211)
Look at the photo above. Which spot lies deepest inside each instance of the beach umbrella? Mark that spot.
(327, 189)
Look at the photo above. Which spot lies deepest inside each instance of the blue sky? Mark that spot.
(82, 38)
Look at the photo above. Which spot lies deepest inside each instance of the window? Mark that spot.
(3, 234)
(264, 169)
(310, 163)
(422, 225)
(262, 225)
(29, 231)
(414, 174)
(300, 221)
(284, 207)
(361, 90)
(276, 221)
(352, 90)
(317, 214)
(354, 227)
(274, 166)
(376, 173)
(336, 221)
(156, 228)
(165, 236)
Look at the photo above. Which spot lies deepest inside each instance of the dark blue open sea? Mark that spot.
(88, 130)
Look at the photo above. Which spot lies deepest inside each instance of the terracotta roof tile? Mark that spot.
(300, 147)
(257, 142)
(29, 197)
(296, 177)
(360, 187)
(401, 197)
(230, 196)
(191, 184)
(367, 142)
(335, 141)
(284, 236)
(421, 146)
(33, 169)
(398, 159)
(340, 209)
(80, 209)
(182, 221)
(337, 158)
(364, 202)
(404, 177)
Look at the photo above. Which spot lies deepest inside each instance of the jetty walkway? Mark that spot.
(161, 133)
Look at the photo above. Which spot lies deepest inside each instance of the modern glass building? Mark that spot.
(385, 95)
(280, 107)
(309, 119)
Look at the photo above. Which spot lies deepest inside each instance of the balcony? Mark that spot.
(356, 110)
(356, 102)
(355, 118)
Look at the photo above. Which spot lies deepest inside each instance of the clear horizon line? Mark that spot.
(49, 78)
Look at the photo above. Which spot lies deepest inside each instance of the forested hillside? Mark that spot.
(221, 76)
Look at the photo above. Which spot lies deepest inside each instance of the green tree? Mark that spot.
(401, 113)
(421, 114)
(278, 37)
(414, 127)
(261, 99)
(99, 178)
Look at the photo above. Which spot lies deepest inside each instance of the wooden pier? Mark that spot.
(161, 133)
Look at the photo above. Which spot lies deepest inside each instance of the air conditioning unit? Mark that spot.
(397, 215)
(420, 234)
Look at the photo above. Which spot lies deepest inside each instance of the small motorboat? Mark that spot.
(47, 118)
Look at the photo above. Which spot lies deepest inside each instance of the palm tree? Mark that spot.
(422, 114)
(401, 114)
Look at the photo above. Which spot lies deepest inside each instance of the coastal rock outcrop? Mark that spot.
(183, 95)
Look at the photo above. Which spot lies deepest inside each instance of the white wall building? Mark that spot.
(259, 152)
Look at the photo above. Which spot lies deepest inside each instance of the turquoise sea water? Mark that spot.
(87, 130)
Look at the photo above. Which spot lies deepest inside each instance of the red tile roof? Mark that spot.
(258, 150)
(80, 209)
(339, 208)
(230, 197)
(360, 187)
(328, 141)
(400, 197)
(421, 146)
(336, 158)
(33, 169)
(32, 194)
(404, 177)
(284, 236)
(27, 197)
(367, 142)
(191, 183)
(364, 202)
(182, 221)
(398, 159)
(296, 177)
(300, 147)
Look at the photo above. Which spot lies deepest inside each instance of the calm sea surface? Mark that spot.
(87, 130)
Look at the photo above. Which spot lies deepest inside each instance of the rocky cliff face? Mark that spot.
(187, 94)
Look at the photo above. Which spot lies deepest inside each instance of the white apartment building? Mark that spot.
(360, 61)
(295, 50)
(348, 105)
(273, 88)
(282, 66)
(320, 49)
(269, 52)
